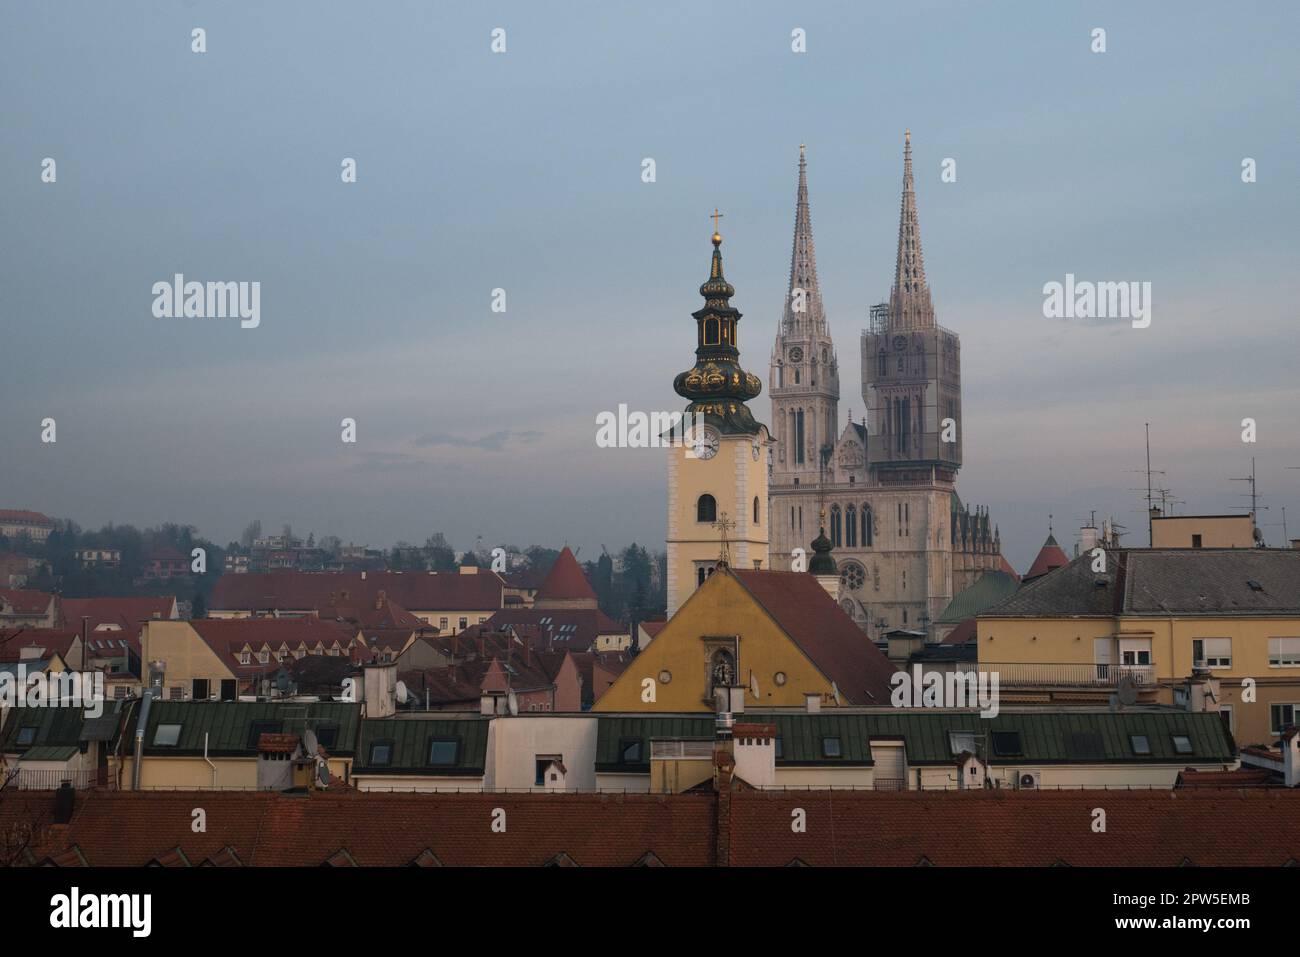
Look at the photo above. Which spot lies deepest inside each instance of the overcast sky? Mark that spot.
(522, 171)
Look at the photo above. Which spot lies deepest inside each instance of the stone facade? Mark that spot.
(885, 486)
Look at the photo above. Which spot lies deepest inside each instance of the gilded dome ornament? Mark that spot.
(717, 374)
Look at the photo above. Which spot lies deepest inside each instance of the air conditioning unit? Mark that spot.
(1027, 780)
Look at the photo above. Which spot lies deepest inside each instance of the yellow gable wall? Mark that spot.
(187, 655)
(720, 607)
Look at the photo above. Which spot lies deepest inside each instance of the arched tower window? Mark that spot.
(851, 527)
(866, 525)
(706, 509)
(836, 526)
(798, 433)
(882, 364)
(710, 332)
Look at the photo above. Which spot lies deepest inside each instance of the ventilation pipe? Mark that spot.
(140, 724)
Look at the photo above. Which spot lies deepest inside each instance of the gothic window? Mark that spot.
(882, 364)
(796, 376)
(706, 509)
(756, 510)
(798, 433)
(852, 576)
(710, 332)
(901, 360)
(851, 527)
(791, 518)
(823, 354)
(836, 524)
(780, 378)
(867, 530)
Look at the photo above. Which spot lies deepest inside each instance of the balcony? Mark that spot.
(33, 779)
(1067, 674)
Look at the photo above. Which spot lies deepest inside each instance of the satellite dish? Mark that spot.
(512, 702)
(323, 772)
(402, 694)
(1126, 691)
(309, 742)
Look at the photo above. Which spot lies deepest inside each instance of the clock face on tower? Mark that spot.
(706, 445)
(796, 354)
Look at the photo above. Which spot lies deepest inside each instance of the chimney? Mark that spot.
(1202, 691)
(64, 802)
(1291, 757)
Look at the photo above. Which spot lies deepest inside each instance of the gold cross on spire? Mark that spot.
(716, 216)
(724, 525)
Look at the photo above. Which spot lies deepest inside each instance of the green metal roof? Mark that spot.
(229, 725)
(1059, 737)
(993, 586)
(410, 739)
(50, 752)
(616, 729)
(54, 726)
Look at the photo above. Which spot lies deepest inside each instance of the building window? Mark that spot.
(464, 623)
(166, 735)
(1280, 717)
(831, 747)
(961, 742)
(851, 527)
(26, 736)
(443, 751)
(710, 332)
(1196, 541)
(245, 657)
(882, 364)
(631, 751)
(756, 522)
(1006, 743)
(798, 431)
(1140, 744)
(1284, 652)
(867, 530)
(1212, 652)
(706, 509)
(1182, 744)
(381, 754)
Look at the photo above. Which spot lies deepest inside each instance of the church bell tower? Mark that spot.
(717, 479)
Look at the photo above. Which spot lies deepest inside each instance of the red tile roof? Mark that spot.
(806, 612)
(51, 640)
(301, 591)
(565, 580)
(572, 628)
(227, 637)
(964, 632)
(1241, 778)
(1050, 556)
(18, 515)
(845, 828)
(126, 613)
(26, 601)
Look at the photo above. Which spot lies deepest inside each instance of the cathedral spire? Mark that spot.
(803, 303)
(909, 301)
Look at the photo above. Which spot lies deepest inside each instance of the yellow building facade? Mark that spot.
(717, 478)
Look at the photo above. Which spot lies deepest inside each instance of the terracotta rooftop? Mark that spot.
(844, 828)
(566, 581)
(301, 591)
(804, 611)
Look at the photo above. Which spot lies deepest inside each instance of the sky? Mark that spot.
(522, 171)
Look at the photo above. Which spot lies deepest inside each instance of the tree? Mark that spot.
(252, 532)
